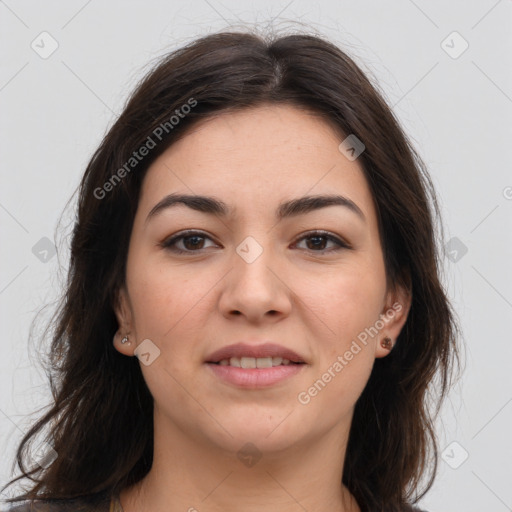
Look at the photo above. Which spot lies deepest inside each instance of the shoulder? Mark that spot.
(99, 502)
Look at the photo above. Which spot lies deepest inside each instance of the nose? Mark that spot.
(256, 288)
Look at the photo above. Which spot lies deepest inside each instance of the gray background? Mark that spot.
(457, 108)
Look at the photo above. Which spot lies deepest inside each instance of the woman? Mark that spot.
(254, 314)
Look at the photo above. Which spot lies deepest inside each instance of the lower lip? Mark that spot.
(255, 377)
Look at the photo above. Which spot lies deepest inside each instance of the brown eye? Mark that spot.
(191, 241)
(318, 240)
(194, 241)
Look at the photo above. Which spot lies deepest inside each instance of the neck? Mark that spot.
(195, 475)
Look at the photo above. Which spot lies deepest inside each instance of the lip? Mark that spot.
(253, 378)
(251, 350)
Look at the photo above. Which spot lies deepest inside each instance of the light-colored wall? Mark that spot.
(456, 105)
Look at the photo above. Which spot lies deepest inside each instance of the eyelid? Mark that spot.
(167, 243)
(339, 241)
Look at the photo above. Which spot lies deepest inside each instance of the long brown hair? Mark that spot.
(101, 421)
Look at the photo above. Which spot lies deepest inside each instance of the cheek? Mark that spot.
(165, 296)
(349, 306)
(168, 306)
(348, 301)
(334, 392)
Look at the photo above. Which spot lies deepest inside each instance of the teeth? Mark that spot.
(248, 362)
(255, 362)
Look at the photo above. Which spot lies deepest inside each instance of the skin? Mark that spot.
(313, 301)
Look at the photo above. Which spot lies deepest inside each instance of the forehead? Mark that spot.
(255, 158)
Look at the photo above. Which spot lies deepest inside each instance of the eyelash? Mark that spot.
(169, 244)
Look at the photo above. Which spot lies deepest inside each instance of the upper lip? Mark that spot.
(246, 350)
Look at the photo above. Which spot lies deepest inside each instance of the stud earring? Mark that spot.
(387, 343)
(125, 340)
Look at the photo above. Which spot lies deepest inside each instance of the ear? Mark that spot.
(394, 315)
(122, 310)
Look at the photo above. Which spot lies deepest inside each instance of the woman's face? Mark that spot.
(257, 273)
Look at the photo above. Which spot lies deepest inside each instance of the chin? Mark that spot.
(274, 433)
(247, 443)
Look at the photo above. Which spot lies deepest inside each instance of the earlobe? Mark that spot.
(386, 343)
(122, 343)
(394, 316)
(121, 339)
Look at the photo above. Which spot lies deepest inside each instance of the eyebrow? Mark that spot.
(291, 208)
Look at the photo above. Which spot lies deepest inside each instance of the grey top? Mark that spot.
(100, 502)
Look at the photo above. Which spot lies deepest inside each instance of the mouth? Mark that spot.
(244, 355)
(255, 362)
(255, 366)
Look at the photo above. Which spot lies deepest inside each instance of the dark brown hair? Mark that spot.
(101, 422)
